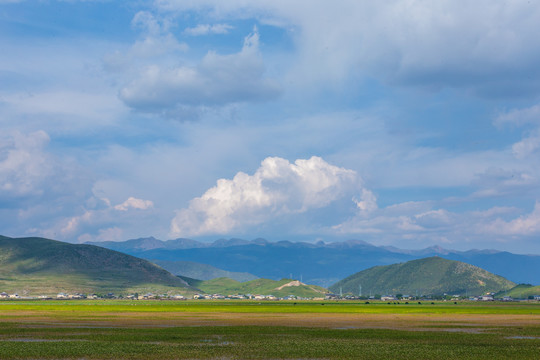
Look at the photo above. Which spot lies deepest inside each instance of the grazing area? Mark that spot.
(112, 329)
(279, 288)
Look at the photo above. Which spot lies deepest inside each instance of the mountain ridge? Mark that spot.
(323, 263)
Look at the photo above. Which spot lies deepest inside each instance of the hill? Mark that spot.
(278, 288)
(42, 266)
(200, 271)
(432, 275)
(521, 291)
(318, 263)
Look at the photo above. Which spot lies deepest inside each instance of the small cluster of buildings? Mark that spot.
(150, 296)
(248, 297)
(386, 298)
(4, 295)
(78, 296)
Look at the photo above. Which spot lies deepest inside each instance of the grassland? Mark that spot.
(115, 329)
(259, 286)
(521, 291)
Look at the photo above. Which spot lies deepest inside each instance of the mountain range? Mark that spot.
(318, 263)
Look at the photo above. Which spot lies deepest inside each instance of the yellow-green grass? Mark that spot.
(247, 306)
(120, 329)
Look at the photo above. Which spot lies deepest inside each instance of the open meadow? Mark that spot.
(112, 329)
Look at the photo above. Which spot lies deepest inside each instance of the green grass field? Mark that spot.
(113, 329)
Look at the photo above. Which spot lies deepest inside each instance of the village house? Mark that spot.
(76, 296)
(147, 296)
(4, 295)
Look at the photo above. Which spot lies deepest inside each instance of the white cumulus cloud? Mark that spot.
(278, 188)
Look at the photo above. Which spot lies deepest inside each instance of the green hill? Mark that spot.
(279, 288)
(200, 271)
(36, 266)
(521, 291)
(433, 275)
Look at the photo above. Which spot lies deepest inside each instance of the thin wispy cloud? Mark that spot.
(206, 29)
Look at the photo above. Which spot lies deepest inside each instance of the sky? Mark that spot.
(403, 123)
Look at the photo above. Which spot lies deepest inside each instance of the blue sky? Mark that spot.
(404, 123)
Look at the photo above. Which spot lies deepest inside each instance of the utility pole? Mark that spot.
(360, 290)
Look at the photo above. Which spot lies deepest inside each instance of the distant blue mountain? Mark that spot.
(320, 263)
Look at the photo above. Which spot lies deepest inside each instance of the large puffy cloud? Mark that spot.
(489, 47)
(216, 80)
(278, 188)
